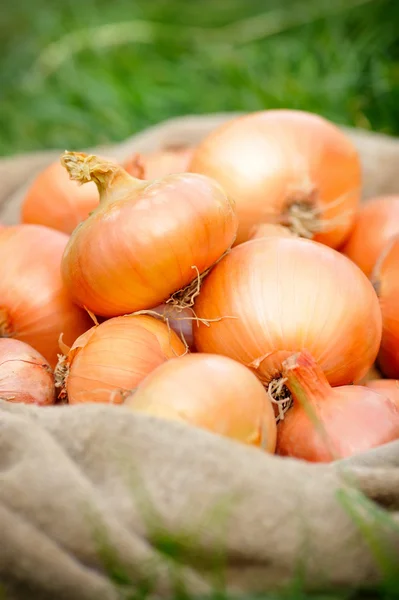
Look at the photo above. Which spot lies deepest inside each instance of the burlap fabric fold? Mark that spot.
(97, 502)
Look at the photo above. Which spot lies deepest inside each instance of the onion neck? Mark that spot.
(112, 181)
(305, 379)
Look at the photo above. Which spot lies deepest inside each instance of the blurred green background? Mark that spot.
(80, 72)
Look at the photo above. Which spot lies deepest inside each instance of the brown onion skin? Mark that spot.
(267, 160)
(55, 201)
(376, 222)
(25, 376)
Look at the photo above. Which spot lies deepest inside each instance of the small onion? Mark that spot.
(376, 223)
(109, 360)
(385, 278)
(56, 201)
(146, 241)
(288, 167)
(156, 165)
(271, 297)
(25, 376)
(212, 392)
(328, 423)
(35, 307)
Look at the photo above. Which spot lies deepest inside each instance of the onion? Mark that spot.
(212, 392)
(25, 376)
(108, 361)
(328, 423)
(270, 230)
(274, 296)
(35, 307)
(56, 201)
(160, 163)
(386, 387)
(288, 167)
(146, 241)
(376, 223)
(385, 278)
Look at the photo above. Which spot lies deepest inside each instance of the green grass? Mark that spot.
(68, 81)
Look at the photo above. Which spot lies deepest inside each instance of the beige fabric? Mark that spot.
(86, 486)
(70, 473)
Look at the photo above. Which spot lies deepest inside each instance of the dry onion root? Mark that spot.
(211, 392)
(109, 360)
(25, 375)
(288, 294)
(286, 167)
(146, 240)
(325, 423)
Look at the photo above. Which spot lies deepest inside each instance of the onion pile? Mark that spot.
(235, 287)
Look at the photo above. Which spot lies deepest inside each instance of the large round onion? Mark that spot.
(212, 392)
(278, 295)
(285, 166)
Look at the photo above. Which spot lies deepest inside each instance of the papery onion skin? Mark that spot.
(275, 296)
(55, 201)
(25, 375)
(376, 222)
(212, 392)
(111, 359)
(35, 306)
(266, 161)
(146, 240)
(385, 278)
(387, 387)
(160, 163)
(325, 423)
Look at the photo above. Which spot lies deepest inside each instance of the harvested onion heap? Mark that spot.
(260, 343)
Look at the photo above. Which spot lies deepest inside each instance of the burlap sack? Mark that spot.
(98, 503)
